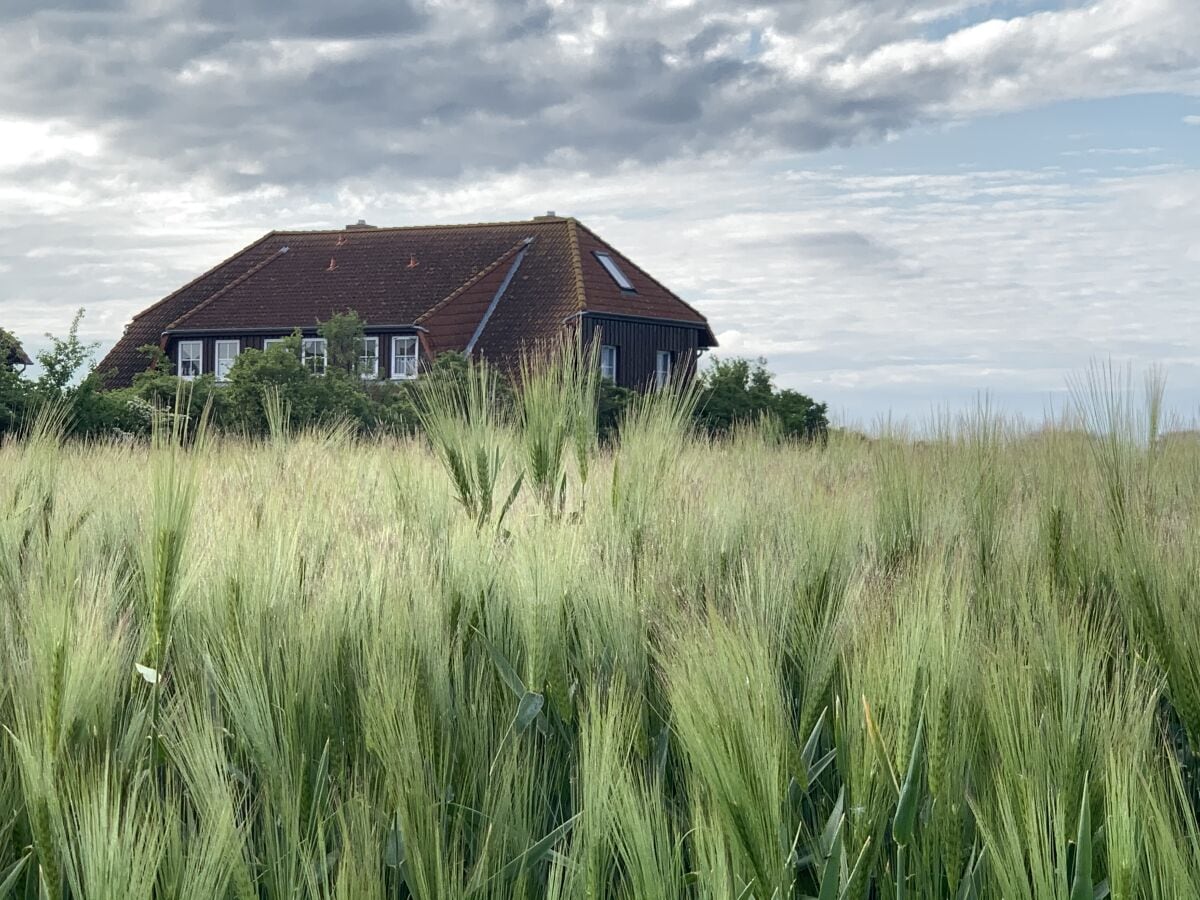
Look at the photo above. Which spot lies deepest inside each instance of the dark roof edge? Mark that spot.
(449, 226)
(646, 274)
(245, 276)
(226, 261)
(284, 329)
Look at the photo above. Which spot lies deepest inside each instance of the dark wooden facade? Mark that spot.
(256, 339)
(638, 342)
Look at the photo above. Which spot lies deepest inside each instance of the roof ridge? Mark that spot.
(249, 273)
(646, 274)
(226, 261)
(378, 229)
(474, 279)
(573, 225)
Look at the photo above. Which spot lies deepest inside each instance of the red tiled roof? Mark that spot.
(453, 321)
(124, 360)
(444, 278)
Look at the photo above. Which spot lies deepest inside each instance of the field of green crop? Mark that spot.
(318, 667)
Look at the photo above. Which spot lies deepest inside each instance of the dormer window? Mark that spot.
(611, 267)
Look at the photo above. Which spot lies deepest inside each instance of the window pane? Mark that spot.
(227, 354)
(190, 358)
(404, 357)
(312, 355)
(608, 362)
(662, 368)
(368, 358)
(614, 271)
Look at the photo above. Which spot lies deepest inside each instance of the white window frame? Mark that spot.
(237, 350)
(411, 360)
(662, 374)
(306, 355)
(368, 363)
(267, 342)
(614, 271)
(608, 362)
(199, 358)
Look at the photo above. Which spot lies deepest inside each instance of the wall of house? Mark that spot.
(255, 342)
(637, 342)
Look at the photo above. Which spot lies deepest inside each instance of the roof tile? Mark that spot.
(442, 277)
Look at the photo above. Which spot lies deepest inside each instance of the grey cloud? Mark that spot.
(413, 90)
(846, 251)
(340, 19)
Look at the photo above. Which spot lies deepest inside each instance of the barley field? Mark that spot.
(501, 661)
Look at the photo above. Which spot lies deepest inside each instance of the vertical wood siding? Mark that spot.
(637, 342)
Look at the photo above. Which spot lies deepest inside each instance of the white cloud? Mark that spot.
(26, 142)
(867, 290)
(134, 157)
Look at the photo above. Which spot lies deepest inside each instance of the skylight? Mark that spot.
(610, 266)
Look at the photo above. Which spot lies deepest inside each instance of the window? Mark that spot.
(227, 353)
(191, 358)
(368, 358)
(268, 343)
(608, 362)
(610, 266)
(662, 368)
(404, 357)
(313, 355)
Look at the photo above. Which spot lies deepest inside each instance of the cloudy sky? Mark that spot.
(900, 203)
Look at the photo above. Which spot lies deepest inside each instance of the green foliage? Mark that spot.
(736, 391)
(732, 394)
(611, 404)
(465, 428)
(68, 382)
(558, 411)
(302, 669)
(343, 335)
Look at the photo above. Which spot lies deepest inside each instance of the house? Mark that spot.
(12, 354)
(488, 290)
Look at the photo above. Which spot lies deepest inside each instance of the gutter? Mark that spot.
(286, 329)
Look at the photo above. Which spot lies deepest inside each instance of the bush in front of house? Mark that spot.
(728, 394)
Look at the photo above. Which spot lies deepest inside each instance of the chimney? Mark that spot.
(360, 225)
(549, 216)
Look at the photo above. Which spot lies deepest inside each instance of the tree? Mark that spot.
(737, 391)
(63, 360)
(67, 380)
(343, 335)
(11, 352)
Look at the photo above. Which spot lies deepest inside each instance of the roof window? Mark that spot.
(610, 266)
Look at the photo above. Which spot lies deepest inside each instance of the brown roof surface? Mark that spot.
(444, 278)
(453, 321)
